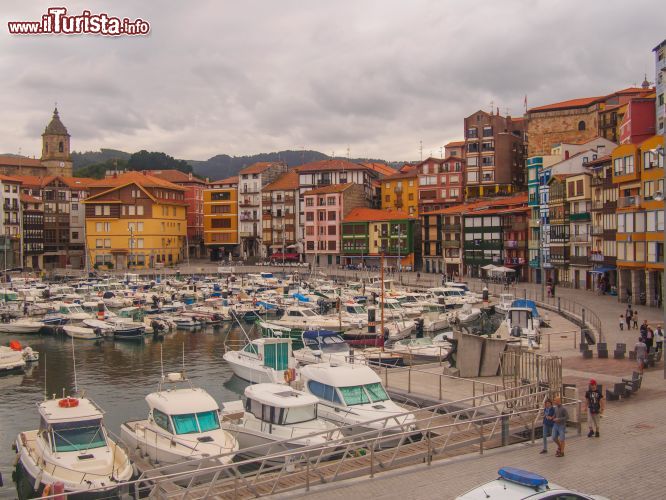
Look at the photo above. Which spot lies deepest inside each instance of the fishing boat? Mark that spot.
(522, 325)
(264, 360)
(73, 448)
(352, 395)
(182, 428)
(277, 419)
(300, 318)
(119, 330)
(505, 302)
(10, 360)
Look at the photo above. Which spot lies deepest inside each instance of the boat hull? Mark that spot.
(251, 373)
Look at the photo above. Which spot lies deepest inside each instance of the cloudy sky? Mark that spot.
(243, 77)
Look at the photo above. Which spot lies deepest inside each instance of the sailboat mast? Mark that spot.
(381, 331)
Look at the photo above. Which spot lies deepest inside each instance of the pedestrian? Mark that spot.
(560, 425)
(659, 336)
(649, 338)
(634, 317)
(552, 289)
(641, 354)
(548, 416)
(595, 408)
(627, 316)
(643, 329)
(621, 322)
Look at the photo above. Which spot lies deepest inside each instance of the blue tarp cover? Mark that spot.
(526, 303)
(313, 334)
(300, 297)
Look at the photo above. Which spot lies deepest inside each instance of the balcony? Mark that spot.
(512, 244)
(246, 202)
(597, 205)
(597, 231)
(580, 238)
(249, 234)
(451, 228)
(535, 263)
(559, 260)
(451, 244)
(596, 257)
(629, 202)
(514, 261)
(267, 202)
(289, 200)
(248, 218)
(248, 190)
(580, 217)
(483, 245)
(579, 260)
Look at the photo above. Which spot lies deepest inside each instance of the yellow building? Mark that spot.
(221, 217)
(638, 171)
(135, 220)
(401, 192)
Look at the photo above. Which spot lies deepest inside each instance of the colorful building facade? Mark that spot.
(220, 212)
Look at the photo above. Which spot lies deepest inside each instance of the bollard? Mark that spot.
(372, 329)
(505, 429)
(583, 316)
(559, 308)
(525, 293)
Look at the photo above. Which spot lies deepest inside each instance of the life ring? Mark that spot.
(15, 345)
(47, 491)
(287, 376)
(68, 403)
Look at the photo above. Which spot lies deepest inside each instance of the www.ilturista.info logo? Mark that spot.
(57, 22)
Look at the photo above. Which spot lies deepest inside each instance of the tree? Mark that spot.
(144, 160)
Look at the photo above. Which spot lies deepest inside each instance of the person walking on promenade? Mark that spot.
(560, 425)
(659, 335)
(627, 317)
(643, 329)
(634, 317)
(621, 322)
(649, 338)
(595, 408)
(641, 354)
(548, 416)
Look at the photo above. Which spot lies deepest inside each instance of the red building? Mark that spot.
(441, 183)
(639, 121)
(194, 200)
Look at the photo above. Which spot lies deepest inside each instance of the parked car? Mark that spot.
(518, 484)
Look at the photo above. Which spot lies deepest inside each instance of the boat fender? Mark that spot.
(260, 357)
(47, 491)
(287, 376)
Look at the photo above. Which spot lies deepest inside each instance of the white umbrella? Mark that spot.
(489, 267)
(503, 269)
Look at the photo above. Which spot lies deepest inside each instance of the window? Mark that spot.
(331, 215)
(629, 164)
(75, 207)
(331, 230)
(78, 436)
(162, 420)
(324, 391)
(98, 210)
(487, 161)
(221, 223)
(330, 200)
(473, 161)
(581, 125)
(221, 196)
(472, 177)
(387, 198)
(75, 235)
(99, 243)
(131, 210)
(139, 210)
(309, 202)
(410, 196)
(107, 243)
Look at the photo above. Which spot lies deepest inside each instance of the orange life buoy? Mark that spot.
(287, 376)
(68, 403)
(15, 345)
(47, 491)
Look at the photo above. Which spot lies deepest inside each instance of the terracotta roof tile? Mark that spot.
(286, 181)
(333, 188)
(10, 160)
(380, 168)
(454, 144)
(228, 180)
(133, 177)
(410, 174)
(259, 167)
(9, 178)
(362, 214)
(500, 204)
(175, 176)
(572, 103)
(30, 199)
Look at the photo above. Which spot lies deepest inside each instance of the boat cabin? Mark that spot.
(280, 405)
(71, 425)
(184, 411)
(273, 352)
(326, 341)
(344, 385)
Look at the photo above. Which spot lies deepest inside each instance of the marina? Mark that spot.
(397, 395)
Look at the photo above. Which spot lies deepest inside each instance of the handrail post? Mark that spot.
(307, 475)
(481, 438)
(440, 387)
(409, 380)
(429, 455)
(372, 459)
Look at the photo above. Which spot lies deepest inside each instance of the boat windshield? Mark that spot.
(192, 423)
(78, 436)
(298, 414)
(356, 309)
(328, 344)
(307, 312)
(363, 394)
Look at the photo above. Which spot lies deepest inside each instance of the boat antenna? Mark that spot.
(45, 394)
(76, 386)
(161, 362)
(183, 360)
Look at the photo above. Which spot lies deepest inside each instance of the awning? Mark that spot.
(285, 256)
(602, 270)
(489, 267)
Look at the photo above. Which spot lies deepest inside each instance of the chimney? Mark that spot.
(190, 175)
(566, 154)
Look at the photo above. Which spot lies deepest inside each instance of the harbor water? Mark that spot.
(116, 375)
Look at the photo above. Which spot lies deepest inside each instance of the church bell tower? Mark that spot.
(55, 148)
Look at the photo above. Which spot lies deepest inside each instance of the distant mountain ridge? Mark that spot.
(219, 166)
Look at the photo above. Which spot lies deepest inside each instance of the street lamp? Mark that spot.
(659, 196)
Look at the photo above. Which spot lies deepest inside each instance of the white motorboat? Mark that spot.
(522, 325)
(71, 447)
(29, 354)
(11, 360)
(82, 332)
(21, 326)
(467, 314)
(324, 346)
(183, 427)
(504, 303)
(304, 318)
(119, 330)
(453, 297)
(422, 350)
(73, 312)
(352, 395)
(277, 419)
(264, 360)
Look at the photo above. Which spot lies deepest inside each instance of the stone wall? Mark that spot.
(546, 129)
